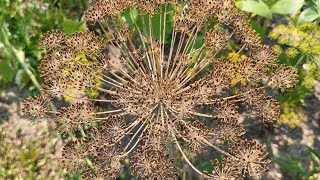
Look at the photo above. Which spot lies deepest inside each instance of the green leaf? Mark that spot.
(287, 6)
(206, 166)
(22, 79)
(308, 15)
(71, 26)
(6, 71)
(317, 154)
(292, 166)
(255, 6)
(130, 16)
(317, 3)
(157, 28)
(260, 29)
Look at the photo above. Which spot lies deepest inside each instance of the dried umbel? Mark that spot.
(250, 156)
(156, 94)
(151, 163)
(36, 107)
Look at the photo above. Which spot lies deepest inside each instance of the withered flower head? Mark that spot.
(73, 117)
(228, 130)
(51, 40)
(73, 157)
(226, 110)
(156, 86)
(267, 109)
(105, 159)
(225, 170)
(150, 163)
(192, 134)
(215, 39)
(36, 107)
(251, 157)
(283, 77)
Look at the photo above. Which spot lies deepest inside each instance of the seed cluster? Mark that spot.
(156, 94)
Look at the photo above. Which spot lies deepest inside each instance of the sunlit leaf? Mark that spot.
(287, 6)
(6, 71)
(255, 6)
(71, 26)
(308, 15)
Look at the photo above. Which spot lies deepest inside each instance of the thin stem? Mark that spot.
(185, 157)
(216, 148)
(109, 112)
(135, 134)
(133, 147)
(201, 114)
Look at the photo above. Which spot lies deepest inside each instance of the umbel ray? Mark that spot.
(161, 96)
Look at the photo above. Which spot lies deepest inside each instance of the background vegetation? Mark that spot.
(290, 26)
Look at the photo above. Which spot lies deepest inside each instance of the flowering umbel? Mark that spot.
(153, 94)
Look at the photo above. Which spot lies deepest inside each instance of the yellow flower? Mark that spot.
(292, 116)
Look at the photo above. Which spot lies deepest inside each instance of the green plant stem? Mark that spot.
(300, 60)
(19, 55)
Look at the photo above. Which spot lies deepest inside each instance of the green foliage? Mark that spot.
(287, 6)
(311, 13)
(308, 15)
(71, 26)
(255, 6)
(300, 47)
(267, 8)
(300, 170)
(7, 71)
(131, 16)
(23, 22)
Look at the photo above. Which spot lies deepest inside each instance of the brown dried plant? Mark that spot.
(156, 94)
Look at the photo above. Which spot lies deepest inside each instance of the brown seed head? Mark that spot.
(250, 157)
(150, 163)
(73, 117)
(36, 107)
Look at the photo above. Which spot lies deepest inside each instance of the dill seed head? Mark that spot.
(250, 156)
(73, 157)
(156, 89)
(73, 117)
(36, 107)
(225, 170)
(150, 163)
(227, 130)
(215, 39)
(283, 77)
(51, 40)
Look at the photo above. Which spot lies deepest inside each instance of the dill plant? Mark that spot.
(299, 45)
(156, 95)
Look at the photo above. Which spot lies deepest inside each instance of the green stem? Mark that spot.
(19, 55)
(300, 61)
